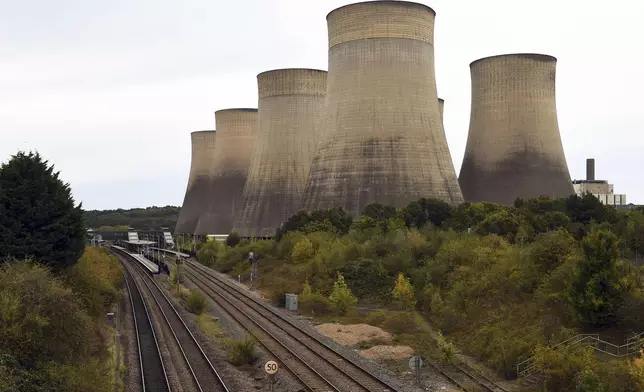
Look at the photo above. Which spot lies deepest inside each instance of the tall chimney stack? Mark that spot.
(590, 169)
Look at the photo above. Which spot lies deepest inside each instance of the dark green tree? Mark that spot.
(596, 294)
(38, 216)
(419, 213)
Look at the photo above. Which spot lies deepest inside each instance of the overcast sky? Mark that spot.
(109, 91)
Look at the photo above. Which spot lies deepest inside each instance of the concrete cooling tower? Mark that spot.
(291, 103)
(196, 197)
(514, 148)
(382, 134)
(236, 134)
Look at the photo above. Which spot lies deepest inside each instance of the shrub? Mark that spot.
(302, 251)
(207, 253)
(341, 296)
(233, 239)
(196, 302)
(401, 322)
(97, 278)
(312, 303)
(403, 293)
(242, 352)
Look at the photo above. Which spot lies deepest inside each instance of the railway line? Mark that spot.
(317, 366)
(236, 301)
(204, 374)
(467, 378)
(153, 375)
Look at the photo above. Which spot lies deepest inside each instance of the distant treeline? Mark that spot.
(139, 218)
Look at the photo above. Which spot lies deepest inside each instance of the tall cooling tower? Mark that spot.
(196, 197)
(382, 135)
(514, 148)
(291, 104)
(236, 134)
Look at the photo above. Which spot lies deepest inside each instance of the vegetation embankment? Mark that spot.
(501, 282)
(150, 218)
(54, 294)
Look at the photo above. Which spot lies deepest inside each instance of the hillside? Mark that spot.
(138, 218)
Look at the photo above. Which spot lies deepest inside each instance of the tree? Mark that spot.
(403, 292)
(341, 297)
(596, 294)
(233, 239)
(303, 251)
(207, 253)
(38, 216)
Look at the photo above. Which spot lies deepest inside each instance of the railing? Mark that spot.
(631, 347)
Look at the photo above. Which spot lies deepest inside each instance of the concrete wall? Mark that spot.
(236, 135)
(196, 196)
(514, 148)
(382, 138)
(291, 103)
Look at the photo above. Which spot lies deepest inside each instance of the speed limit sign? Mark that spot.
(270, 367)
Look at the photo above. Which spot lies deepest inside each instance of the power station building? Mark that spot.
(382, 138)
(199, 181)
(601, 189)
(236, 134)
(513, 147)
(291, 104)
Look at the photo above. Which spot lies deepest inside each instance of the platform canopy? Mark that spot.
(140, 242)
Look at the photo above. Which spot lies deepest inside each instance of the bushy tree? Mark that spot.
(302, 251)
(233, 239)
(207, 254)
(424, 211)
(341, 297)
(596, 294)
(38, 215)
(403, 292)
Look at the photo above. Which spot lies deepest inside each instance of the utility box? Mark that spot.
(291, 302)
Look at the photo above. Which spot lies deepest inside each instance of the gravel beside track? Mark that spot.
(245, 378)
(205, 375)
(132, 377)
(179, 374)
(270, 328)
(154, 376)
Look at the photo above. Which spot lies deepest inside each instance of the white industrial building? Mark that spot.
(601, 189)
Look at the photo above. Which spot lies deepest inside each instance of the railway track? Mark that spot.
(153, 375)
(203, 372)
(462, 376)
(467, 378)
(334, 373)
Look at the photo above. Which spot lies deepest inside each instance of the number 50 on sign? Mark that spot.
(270, 367)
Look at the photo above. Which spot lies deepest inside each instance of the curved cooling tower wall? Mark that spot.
(291, 103)
(196, 197)
(236, 134)
(382, 136)
(514, 148)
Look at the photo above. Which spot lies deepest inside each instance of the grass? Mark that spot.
(113, 364)
(211, 327)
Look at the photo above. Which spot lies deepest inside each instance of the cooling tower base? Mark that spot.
(520, 176)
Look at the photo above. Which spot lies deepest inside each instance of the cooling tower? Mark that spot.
(513, 147)
(291, 103)
(196, 197)
(441, 107)
(382, 135)
(236, 134)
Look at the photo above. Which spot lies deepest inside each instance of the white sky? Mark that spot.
(109, 91)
